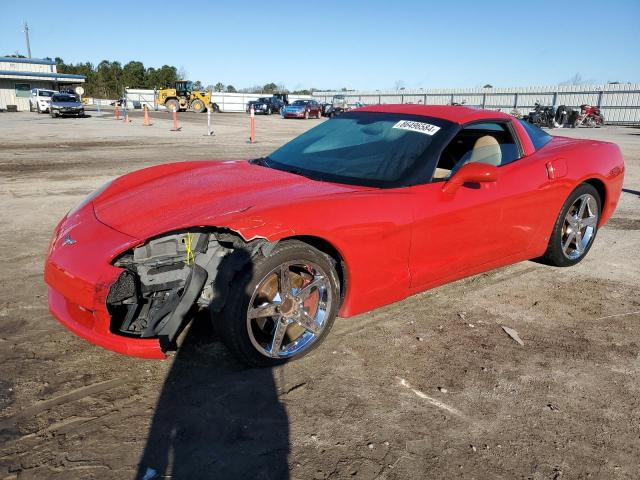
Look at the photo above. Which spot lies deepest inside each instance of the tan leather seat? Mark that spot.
(441, 173)
(486, 150)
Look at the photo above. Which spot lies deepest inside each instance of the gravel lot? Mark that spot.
(430, 387)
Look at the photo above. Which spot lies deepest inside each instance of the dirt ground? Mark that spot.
(430, 387)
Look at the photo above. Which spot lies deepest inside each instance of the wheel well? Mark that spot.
(328, 249)
(600, 188)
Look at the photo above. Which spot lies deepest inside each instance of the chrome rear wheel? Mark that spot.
(575, 228)
(579, 226)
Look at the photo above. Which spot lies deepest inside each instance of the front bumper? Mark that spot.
(296, 114)
(79, 273)
(69, 111)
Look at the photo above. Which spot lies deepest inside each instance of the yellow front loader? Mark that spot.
(183, 97)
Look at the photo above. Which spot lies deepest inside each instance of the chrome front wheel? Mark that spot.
(280, 306)
(288, 310)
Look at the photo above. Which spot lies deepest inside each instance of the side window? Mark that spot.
(538, 137)
(488, 142)
(23, 90)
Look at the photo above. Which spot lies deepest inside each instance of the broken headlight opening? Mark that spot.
(166, 280)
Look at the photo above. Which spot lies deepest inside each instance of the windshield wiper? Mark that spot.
(262, 161)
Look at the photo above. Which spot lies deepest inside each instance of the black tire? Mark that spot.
(233, 327)
(554, 254)
(171, 104)
(198, 106)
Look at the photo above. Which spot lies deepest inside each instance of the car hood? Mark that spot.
(212, 193)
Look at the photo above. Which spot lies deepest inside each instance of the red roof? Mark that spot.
(453, 113)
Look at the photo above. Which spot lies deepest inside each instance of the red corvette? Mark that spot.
(363, 210)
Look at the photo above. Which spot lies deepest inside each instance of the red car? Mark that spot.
(361, 211)
(303, 109)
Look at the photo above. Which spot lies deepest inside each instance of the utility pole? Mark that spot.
(26, 34)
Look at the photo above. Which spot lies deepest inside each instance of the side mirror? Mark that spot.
(475, 172)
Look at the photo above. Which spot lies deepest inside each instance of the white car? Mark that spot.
(40, 100)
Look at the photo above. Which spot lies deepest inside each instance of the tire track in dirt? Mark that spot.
(71, 396)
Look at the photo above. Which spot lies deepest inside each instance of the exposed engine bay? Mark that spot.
(169, 277)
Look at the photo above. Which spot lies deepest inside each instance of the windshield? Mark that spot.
(262, 99)
(64, 98)
(300, 103)
(363, 148)
(45, 93)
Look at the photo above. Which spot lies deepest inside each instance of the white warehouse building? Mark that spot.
(19, 75)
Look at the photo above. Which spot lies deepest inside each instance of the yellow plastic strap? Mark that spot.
(188, 243)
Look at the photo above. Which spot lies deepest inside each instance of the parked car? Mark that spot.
(361, 211)
(40, 99)
(66, 104)
(302, 109)
(268, 105)
(284, 97)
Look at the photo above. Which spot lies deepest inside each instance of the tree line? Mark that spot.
(109, 79)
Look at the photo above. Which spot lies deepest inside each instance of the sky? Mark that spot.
(355, 44)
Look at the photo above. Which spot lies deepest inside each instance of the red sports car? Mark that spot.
(361, 211)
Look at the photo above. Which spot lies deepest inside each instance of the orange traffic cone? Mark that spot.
(117, 112)
(146, 116)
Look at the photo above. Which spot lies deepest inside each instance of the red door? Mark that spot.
(453, 234)
(483, 225)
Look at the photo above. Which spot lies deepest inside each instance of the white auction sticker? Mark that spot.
(419, 127)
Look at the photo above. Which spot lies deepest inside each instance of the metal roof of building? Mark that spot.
(52, 76)
(34, 61)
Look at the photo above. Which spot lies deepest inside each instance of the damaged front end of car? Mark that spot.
(166, 280)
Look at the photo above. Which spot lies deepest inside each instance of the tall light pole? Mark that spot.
(26, 34)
